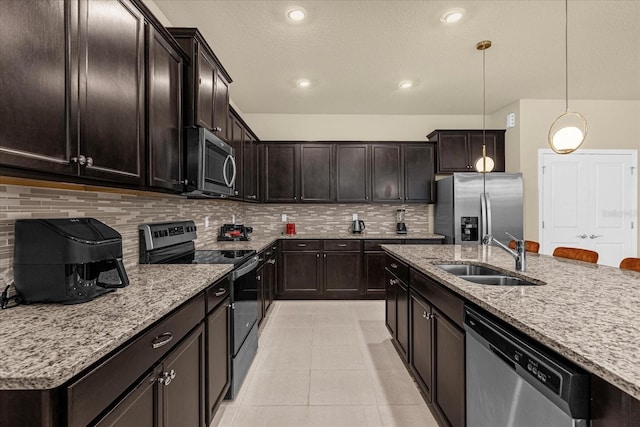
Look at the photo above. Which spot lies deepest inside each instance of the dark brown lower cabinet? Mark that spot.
(391, 296)
(402, 327)
(260, 282)
(374, 280)
(421, 357)
(302, 274)
(172, 395)
(138, 408)
(449, 370)
(611, 407)
(218, 357)
(342, 274)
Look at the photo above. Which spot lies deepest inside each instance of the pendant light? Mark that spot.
(484, 164)
(569, 130)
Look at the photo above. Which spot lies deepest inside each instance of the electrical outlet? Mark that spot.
(206, 222)
(284, 217)
(355, 217)
(233, 219)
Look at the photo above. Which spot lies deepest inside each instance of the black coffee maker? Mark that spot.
(69, 260)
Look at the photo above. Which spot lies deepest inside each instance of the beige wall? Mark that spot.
(498, 120)
(612, 125)
(353, 127)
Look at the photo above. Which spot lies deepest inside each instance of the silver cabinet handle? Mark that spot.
(167, 377)
(317, 255)
(183, 182)
(393, 265)
(81, 160)
(272, 261)
(217, 129)
(392, 282)
(161, 340)
(221, 292)
(253, 197)
(342, 245)
(595, 236)
(425, 314)
(302, 245)
(582, 236)
(325, 255)
(258, 277)
(89, 162)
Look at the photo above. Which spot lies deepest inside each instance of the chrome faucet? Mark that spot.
(520, 254)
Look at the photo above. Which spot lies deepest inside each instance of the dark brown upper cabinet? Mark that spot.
(73, 95)
(237, 142)
(458, 150)
(164, 106)
(316, 173)
(250, 168)
(38, 104)
(352, 173)
(206, 98)
(419, 176)
(280, 183)
(111, 46)
(386, 172)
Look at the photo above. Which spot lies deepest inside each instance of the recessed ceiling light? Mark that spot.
(304, 83)
(452, 16)
(297, 14)
(406, 84)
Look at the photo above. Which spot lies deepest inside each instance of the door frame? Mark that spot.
(634, 188)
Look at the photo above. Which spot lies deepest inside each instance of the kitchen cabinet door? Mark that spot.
(342, 274)
(250, 168)
(419, 173)
(449, 370)
(386, 173)
(205, 74)
(38, 105)
(352, 173)
(138, 408)
(316, 173)
(495, 148)
(260, 282)
(236, 141)
(183, 396)
(390, 303)
(221, 107)
(374, 274)
(218, 357)
(421, 344)
(302, 274)
(280, 172)
(453, 152)
(112, 110)
(165, 146)
(402, 313)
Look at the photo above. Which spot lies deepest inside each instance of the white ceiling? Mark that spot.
(356, 52)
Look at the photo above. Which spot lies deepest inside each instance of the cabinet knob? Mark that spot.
(258, 277)
(425, 314)
(89, 162)
(253, 197)
(217, 129)
(167, 377)
(81, 160)
(272, 261)
(325, 255)
(317, 255)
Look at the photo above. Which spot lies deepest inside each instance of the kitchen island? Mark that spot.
(588, 313)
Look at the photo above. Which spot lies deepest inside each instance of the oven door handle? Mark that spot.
(245, 268)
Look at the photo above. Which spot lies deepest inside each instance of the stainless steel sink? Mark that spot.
(468, 270)
(484, 275)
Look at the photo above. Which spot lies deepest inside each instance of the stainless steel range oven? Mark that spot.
(173, 243)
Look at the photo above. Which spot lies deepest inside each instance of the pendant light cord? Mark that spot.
(566, 55)
(484, 126)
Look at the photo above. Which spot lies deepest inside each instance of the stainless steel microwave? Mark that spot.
(211, 165)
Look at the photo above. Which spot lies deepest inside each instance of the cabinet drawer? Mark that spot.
(342, 245)
(216, 293)
(442, 298)
(374, 245)
(301, 245)
(91, 394)
(398, 268)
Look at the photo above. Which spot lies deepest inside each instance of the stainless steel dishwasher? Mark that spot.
(513, 382)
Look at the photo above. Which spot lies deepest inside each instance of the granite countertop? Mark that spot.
(43, 346)
(588, 313)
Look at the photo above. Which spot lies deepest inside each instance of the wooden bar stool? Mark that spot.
(577, 254)
(529, 246)
(630, 264)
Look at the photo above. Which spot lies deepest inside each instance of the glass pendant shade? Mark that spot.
(567, 133)
(485, 164)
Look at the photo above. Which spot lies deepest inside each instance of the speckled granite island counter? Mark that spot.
(588, 313)
(44, 346)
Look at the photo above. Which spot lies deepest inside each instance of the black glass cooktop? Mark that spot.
(213, 257)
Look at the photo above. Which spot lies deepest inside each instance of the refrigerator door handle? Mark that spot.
(483, 215)
(486, 195)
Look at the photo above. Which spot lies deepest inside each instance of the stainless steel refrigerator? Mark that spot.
(467, 208)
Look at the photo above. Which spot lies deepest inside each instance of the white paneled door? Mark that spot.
(588, 200)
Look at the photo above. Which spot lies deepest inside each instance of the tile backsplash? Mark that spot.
(124, 212)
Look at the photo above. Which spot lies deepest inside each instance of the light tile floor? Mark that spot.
(326, 364)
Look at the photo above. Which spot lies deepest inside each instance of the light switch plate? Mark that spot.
(284, 217)
(355, 217)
